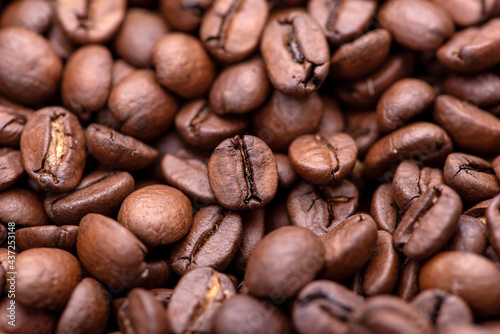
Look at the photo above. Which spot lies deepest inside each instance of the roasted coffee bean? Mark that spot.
(28, 319)
(90, 21)
(324, 307)
(471, 236)
(240, 88)
(34, 15)
(253, 232)
(110, 252)
(442, 308)
(286, 175)
(212, 241)
(202, 128)
(493, 223)
(492, 255)
(3, 236)
(384, 209)
(429, 223)
(321, 209)
(160, 273)
(348, 247)
(60, 43)
(323, 158)
(157, 214)
(13, 117)
(138, 34)
(472, 50)
(332, 119)
(98, 192)
(284, 262)
(479, 210)
(12, 168)
(471, 176)
(46, 277)
(405, 99)
(23, 207)
(118, 150)
(482, 89)
(389, 315)
(468, 275)
(197, 299)
(148, 119)
(361, 57)
(142, 313)
(121, 69)
(53, 149)
(421, 141)
(282, 119)
(21, 49)
(295, 52)
(231, 30)
(410, 182)
(86, 80)
(408, 285)
(62, 237)
(495, 164)
(184, 15)
(182, 65)
(468, 13)
(162, 294)
(342, 21)
(482, 133)
(363, 128)
(242, 173)
(87, 309)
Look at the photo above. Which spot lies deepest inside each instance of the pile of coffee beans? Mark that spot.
(249, 166)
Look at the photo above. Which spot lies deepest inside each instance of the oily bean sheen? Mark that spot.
(242, 173)
(471, 236)
(21, 49)
(53, 149)
(403, 100)
(212, 241)
(418, 25)
(468, 275)
(196, 300)
(110, 252)
(323, 158)
(230, 30)
(12, 168)
(422, 141)
(184, 15)
(471, 128)
(99, 192)
(23, 207)
(90, 21)
(321, 209)
(283, 262)
(295, 52)
(470, 12)
(429, 223)
(472, 177)
(13, 117)
(384, 209)
(62, 237)
(493, 223)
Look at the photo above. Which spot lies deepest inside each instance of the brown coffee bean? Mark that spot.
(118, 150)
(422, 141)
(87, 309)
(482, 132)
(62, 237)
(282, 119)
(384, 209)
(23, 207)
(253, 232)
(21, 49)
(231, 30)
(361, 57)
(418, 25)
(13, 117)
(479, 210)
(324, 307)
(468, 13)
(12, 168)
(3, 236)
(60, 43)
(110, 252)
(182, 65)
(493, 223)
(202, 128)
(471, 236)
(184, 15)
(342, 21)
(283, 262)
(142, 313)
(197, 299)
(410, 182)
(240, 88)
(34, 15)
(482, 89)
(28, 319)
(92, 21)
(321, 209)
(408, 285)
(46, 277)
(348, 247)
(332, 119)
(148, 119)
(86, 80)
(468, 275)
(162, 294)
(295, 52)
(286, 175)
(363, 127)
(139, 32)
(323, 158)
(121, 69)
(53, 149)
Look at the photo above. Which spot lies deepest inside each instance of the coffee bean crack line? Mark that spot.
(227, 18)
(241, 146)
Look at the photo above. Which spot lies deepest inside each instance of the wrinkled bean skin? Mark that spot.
(62, 237)
(384, 209)
(13, 117)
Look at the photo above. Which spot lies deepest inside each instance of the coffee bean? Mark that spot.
(468, 13)
(121, 69)
(157, 214)
(332, 119)
(11, 166)
(479, 210)
(242, 173)
(28, 319)
(3, 236)
(253, 232)
(142, 313)
(231, 30)
(111, 253)
(384, 209)
(481, 90)
(286, 174)
(197, 299)
(62, 237)
(295, 53)
(493, 223)
(35, 15)
(160, 273)
(60, 43)
(23, 207)
(471, 236)
(362, 126)
(495, 164)
(13, 117)
(408, 284)
(184, 15)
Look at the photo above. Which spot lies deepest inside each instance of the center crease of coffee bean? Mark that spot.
(57, 149)
(227, 19)
(335, 168)
(437, 308)
(345, 309)
(200, 117)
(202, 241)
(333, 6)
(241, 146)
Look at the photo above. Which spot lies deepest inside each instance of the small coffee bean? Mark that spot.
(28, 319)
(286, 174)
(12, 168)
(23, 207)
(479, 210)
(362, 126)
(482, 89)
(34, 15)
(493, 223)
(384, 209)
(408, 285)
(468, 13)
(121, 69)
(143, 313)
(62, 237)
(471, 236)
(60, 43)
(184, 15)
(332, 119)
(13, 117)
(160, 273)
